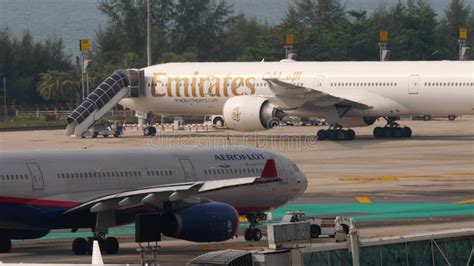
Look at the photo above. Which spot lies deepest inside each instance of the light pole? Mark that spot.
(85, 48)
(82, 78)
(463, 49)
(148, 34)
(5, 97)
(384, 53)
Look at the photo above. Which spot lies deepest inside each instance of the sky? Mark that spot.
(79, 19)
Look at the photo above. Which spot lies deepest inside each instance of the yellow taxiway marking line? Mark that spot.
(363, 200)
(465, 201)
(356, 179)
(368, 179)
(422, 176)
(462, 174)
(389, 178)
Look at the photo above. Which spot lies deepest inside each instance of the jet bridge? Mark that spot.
(121, 84)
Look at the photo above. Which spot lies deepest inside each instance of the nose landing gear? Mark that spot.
(109, 245)
(254, 233)
(5, 245)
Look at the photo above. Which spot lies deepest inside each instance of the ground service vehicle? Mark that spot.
(318, 225)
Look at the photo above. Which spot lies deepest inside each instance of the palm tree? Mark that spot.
(62, 86)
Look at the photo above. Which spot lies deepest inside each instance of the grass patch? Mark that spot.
(29, 122)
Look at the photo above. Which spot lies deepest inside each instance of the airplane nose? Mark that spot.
(303, 183)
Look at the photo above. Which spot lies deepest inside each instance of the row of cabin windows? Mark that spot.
(259, 84)
(232, 171)
(14, 177)
(449, 84)
(116, 174)
(365, 84)
(159, 173)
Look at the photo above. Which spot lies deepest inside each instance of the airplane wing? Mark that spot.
(155, 195)
(289, 96)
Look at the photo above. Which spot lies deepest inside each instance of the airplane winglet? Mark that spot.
(269, 170)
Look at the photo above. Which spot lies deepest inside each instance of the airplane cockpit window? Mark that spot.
(295, 168)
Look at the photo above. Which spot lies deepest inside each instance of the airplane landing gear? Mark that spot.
(5, 245)
(149, 131)
(109, 245)
(335, 132)
(79, 246)
(253, 233)
(392, 130)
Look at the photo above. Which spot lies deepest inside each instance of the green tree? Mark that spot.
(178, 27)
(57, 86)
(198, 24)
(21, 61)
(457, 15)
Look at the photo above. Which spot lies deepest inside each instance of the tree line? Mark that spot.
(209, 30)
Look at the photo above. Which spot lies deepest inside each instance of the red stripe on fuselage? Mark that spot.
(38, 202)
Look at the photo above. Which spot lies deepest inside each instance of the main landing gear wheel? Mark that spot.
(392, 130)
(79, 246)
(111, 245)
(5, 245)
(336, 134)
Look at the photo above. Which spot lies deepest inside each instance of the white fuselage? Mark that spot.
(390, 88)
(64, 179)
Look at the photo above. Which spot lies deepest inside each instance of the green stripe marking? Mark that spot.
(361, 212)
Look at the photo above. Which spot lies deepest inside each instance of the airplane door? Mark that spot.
(189, 174)
(414, 84)
(319, 83)
(36, 175)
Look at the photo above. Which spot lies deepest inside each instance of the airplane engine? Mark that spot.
(349, 122)
(204, 222)
(22, 234)
(249, 113)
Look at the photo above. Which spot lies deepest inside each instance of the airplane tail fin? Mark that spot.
(269, 170)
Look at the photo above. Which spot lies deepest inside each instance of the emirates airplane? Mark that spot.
(195, 195)
(258, 95)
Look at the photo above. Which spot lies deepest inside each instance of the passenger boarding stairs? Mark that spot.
(121, 84)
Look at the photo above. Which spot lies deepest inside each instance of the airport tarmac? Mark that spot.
(429, 175)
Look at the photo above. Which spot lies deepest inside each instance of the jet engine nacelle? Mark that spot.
(23, 234)
(357, 121)
(249, 113)
(204, 222)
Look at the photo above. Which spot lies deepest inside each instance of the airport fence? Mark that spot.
(55, 112)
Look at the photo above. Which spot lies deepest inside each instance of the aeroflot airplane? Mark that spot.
(197, 194)
(256, 96)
